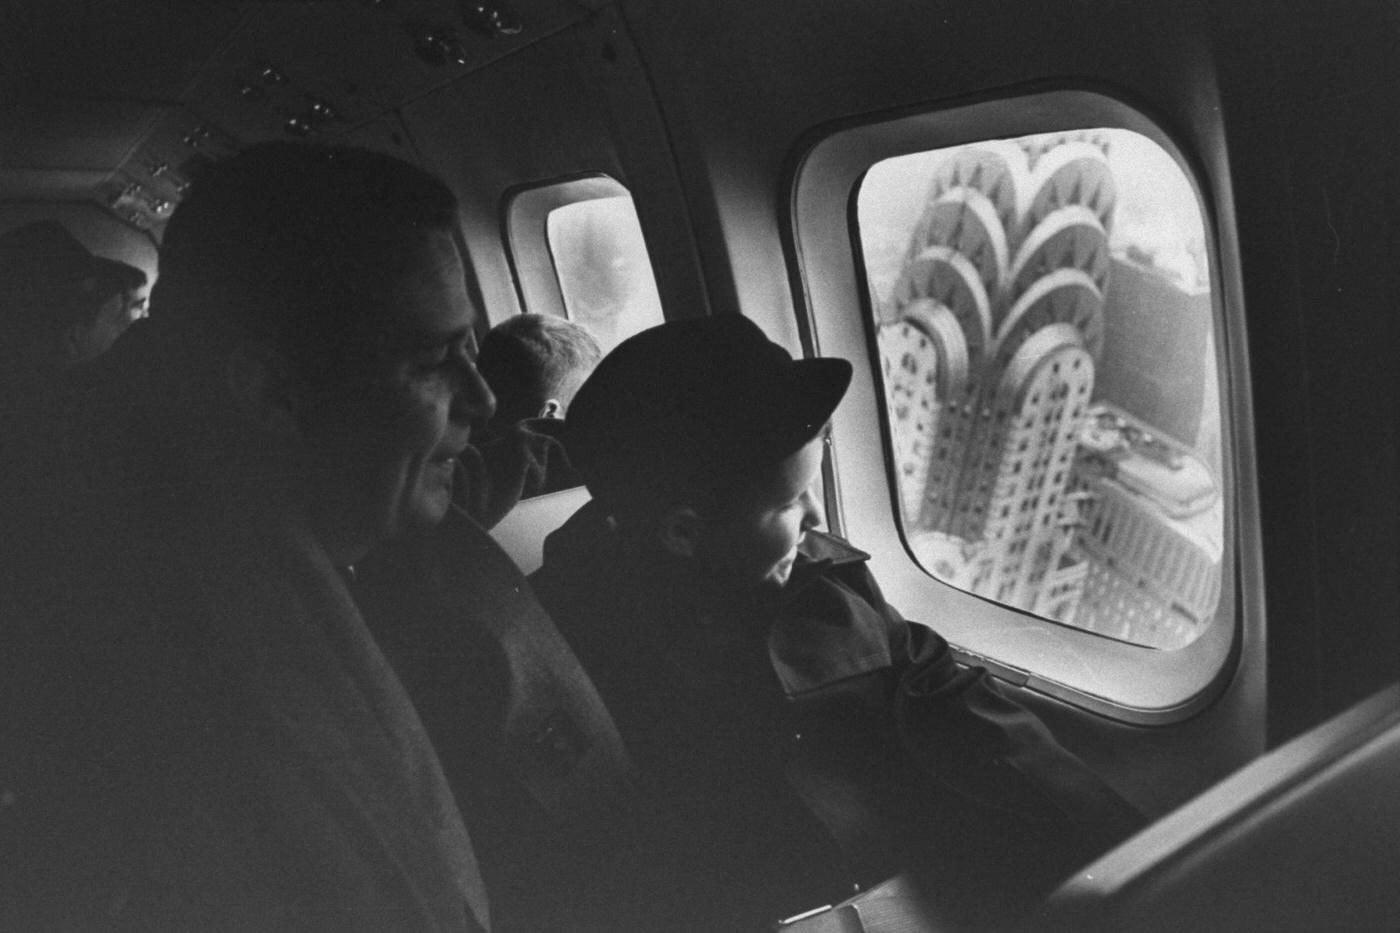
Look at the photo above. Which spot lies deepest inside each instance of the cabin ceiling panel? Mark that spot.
(67, 133)
(361, 61)
(48, 185)
(89, 91)
(112, 49)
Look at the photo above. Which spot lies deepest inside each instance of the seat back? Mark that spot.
(1306, 837)
(522, 532)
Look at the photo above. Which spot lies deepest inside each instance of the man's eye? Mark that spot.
(436, 356)
(469, 348)
(446, 355)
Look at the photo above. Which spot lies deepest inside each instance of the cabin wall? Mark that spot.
(1311, 101)
(574, 103)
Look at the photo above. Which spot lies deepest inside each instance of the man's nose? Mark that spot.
(812, 514)
(473, 400)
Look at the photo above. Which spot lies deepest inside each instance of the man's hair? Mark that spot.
(285, 243)
(532, 358)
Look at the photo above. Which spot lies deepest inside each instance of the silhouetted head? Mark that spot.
(322, 291)
(702, 438)
(60, 305)
(535, 364)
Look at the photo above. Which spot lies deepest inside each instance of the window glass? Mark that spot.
(604, 272)
(1045, 329)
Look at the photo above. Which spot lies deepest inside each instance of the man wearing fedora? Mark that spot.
(806, 739)
(62, 305)
(257, 672)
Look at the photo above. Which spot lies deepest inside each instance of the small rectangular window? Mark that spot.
(578, 251)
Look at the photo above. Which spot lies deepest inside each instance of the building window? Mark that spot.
(1060, 265)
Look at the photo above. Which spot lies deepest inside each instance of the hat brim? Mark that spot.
(44, 254)
(823, 383)
(695, 404)
(114, 272)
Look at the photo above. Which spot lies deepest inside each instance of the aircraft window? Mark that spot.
(1044, 322)
(578, 252)
(1038, 450)
(604, 271)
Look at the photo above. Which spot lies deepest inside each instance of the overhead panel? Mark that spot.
(113, 50)
(119, 105)
(320, 70)
(152, 178)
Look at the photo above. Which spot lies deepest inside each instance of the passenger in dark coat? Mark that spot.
(806, 737)
(209, 723)
(532, 757)
(61, 307)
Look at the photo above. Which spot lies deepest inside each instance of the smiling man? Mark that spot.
(805, 738)
(211, 736)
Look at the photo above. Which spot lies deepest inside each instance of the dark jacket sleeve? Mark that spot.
(999, 808)
(942, 708)
(966, 731)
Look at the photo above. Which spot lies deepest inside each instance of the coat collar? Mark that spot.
(820, 546)
(825, 632)
(821, 631)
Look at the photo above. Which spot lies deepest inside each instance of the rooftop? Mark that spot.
(1157, 470)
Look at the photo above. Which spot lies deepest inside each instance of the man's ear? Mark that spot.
(551, 409)
(258, 380)
(681, 530)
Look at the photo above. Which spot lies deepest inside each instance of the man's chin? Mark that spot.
(780, 574)
(771, 586)
(427, 513)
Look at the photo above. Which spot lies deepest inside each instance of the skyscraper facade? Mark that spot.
(992, 340)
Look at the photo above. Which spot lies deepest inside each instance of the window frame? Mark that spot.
(525, 218)
(1127, 682)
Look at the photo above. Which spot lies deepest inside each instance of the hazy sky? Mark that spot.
(1157, 209)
